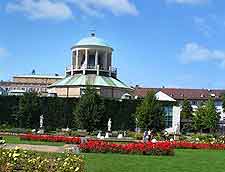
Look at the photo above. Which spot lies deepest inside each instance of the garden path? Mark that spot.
(40, 148)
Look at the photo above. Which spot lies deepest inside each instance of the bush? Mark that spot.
(135, 135)
(18, 160)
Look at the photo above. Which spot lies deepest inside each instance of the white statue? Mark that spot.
(176, 130)
(120, 136)
(109, 124)
(107, 135)
(41, 121)
(99, 135)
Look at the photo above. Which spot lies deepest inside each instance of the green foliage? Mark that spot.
(29, 111)
(206, 117)
(121, 113)
(90, 112)
(59, 113)
(223, 102)
(18, 160)
(187, 110)
(8, 109)
(150, 113)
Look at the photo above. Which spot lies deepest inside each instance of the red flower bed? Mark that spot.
(189, 145)
(159, 148)
(50, 138)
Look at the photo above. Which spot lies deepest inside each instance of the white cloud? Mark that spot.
(3, 52)
(96, 7)
(193, 52)
(41, 9)
(62, 9)
(190, 2)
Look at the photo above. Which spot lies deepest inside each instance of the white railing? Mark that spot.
(92, 67)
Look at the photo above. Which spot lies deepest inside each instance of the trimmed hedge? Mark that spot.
(58, 113)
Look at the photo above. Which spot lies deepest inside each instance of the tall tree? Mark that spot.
(223, 102)
(29, 111)
(150, 113)
(206, 117)
(187, 110)
(90, 111)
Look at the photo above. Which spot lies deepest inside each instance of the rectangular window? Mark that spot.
(168, 116)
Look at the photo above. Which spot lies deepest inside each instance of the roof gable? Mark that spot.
(164, 97)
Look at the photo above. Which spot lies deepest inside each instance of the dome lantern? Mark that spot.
(92, 55)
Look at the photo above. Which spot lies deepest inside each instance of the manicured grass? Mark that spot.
(16, 140)
(183, 161)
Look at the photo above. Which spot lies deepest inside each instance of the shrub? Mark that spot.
(135, 135)
(18, 160)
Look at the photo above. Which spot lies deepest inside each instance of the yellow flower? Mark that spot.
(77, 169)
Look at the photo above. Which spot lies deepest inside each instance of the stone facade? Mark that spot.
(28, 83)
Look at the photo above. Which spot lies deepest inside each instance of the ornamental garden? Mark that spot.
(97, 134)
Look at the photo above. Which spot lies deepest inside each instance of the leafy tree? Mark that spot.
(29, 111)
(206, 117)
(187, 110)
(223, 102)
(150, 113)
(90, 111)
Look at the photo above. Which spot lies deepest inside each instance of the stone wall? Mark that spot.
(40, 80)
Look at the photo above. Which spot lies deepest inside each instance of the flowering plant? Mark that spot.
(195, 145)
(18, 160)
(159, 148)
(51, 138)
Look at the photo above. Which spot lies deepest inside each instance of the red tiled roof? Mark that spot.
(182, 93)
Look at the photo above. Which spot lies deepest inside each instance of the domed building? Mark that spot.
(91, 65)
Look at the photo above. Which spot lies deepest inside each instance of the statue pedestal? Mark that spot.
(120, 136)
(106, 135)
(40, 131)
(99, 135)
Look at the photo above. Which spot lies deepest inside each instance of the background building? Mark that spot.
(91, 64)
(178, 95)
(2, 91)
(29, 83)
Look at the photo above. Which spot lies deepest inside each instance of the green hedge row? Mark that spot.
(58, 113)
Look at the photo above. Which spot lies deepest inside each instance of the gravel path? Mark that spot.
(39, 148)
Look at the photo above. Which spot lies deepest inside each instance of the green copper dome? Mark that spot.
(92, 40)
(94, 80)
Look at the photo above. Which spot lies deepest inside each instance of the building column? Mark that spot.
(105, 61)
(77, 63)
(96, 58)
(110, 70)
(98, 69)
(85, 61)
(86, 58)
(72, 69)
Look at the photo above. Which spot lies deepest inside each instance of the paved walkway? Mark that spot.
(39, 148)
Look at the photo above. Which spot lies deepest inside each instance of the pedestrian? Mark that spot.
(145, 136)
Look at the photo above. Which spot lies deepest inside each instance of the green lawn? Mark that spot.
(183, 161)
(16, 140)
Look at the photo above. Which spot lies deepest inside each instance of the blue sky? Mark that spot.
(172, 43)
